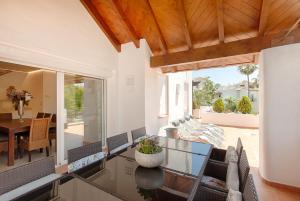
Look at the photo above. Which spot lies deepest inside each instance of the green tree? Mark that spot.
(247, 69)
(218, 105)
(73, 100)
(207, 93)
(244, 105)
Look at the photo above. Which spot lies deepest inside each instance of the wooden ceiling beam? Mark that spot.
(184, 23)
(101, 23)
(246, 46)
(162, 42)
(130, 29)
(221, 62)
(220, 13)
(263, 20)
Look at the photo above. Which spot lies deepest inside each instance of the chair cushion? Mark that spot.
(231, 155)
(213, 182)
(232, 177)
(234, 196)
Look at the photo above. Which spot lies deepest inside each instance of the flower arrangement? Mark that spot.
(16, 96)
(148, 146)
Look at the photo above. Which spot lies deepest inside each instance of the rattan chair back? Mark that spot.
(250, 193)
(39, 131)
(244, 169)
(116, 141)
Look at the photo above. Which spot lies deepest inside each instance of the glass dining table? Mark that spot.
(121, 177)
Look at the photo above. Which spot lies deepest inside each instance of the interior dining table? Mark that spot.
(11, 127)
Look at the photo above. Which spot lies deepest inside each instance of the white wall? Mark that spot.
(60, 35)
(49, 92)
(126, 91)
(280, 115)
(179, 101)
(153, 93)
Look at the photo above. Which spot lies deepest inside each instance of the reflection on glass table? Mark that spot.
(125, 179)
(184, 145)
(183, 162)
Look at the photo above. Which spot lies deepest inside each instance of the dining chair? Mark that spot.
(82, 157)
(47, 115)
(52, 131)
(27, 179)
(137, 134)
(40, 115)
(3, 135)
(225, 155)
(5, 116)
(203, 193)
(3, 143)
(38, 137)
(117, 144)
(222, 177)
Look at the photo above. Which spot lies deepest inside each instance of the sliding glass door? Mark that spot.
(84, 112)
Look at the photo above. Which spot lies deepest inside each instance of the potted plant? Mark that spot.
(149, 154)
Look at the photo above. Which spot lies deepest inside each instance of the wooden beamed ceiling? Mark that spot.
(183, 31)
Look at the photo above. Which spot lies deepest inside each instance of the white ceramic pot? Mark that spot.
(149, 160)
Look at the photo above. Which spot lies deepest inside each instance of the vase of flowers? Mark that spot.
(148, 154)
(18, 99)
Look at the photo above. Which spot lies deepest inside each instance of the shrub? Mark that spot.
(218, 105)
(230, 105)
(244, 105)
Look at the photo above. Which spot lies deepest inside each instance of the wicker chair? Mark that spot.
(117, 144)
(28, 179)
(219, 171)
(47, 115)
(244, 169)
(220, 154)
(52, 131)
(83, 151)
(3, 142)
(207, 194)
(3, 134)
(79, 153)
(137, 134)
(40, 115)
(38, 137)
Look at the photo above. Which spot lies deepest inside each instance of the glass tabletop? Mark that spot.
(184, 145)
(179, 161)
(126, 180)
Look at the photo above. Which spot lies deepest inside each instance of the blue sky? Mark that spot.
(224, 76)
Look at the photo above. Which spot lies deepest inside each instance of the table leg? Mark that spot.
(11, 147)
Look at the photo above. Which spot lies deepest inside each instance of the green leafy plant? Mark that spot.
(205, 95)
(230, 104)
(244, 105)
(218, 105)
(148, 146)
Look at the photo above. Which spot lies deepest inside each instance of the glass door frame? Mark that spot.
(60, 141)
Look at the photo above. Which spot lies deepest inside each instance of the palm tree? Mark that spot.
(247, 69)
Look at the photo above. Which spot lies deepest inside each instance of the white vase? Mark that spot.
(149, 160)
